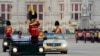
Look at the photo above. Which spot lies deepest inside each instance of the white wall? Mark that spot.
(96, 12)
(18, 11)
(21, 8)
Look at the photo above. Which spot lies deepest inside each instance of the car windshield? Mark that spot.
(24, 39)
(55, 37)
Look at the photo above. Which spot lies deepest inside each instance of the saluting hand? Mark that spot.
(34, 23)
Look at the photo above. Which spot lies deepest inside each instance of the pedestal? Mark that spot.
(84, 22)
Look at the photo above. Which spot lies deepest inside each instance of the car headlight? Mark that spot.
(14, 50)
(41, 49)
(64, 45)
(5, 43)
(44, 44)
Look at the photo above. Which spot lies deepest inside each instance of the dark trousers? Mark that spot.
(34, 39)
(8, 38)
(92, 39)
(76, 39)
(8, 35)
(84, 39)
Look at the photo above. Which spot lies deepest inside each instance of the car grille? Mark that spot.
(53, 44)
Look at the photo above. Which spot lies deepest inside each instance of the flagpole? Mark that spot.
(43, 21)
(49, 21)
(17, 14)
(50, 11)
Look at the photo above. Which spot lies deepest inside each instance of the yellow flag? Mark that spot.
(30, 8)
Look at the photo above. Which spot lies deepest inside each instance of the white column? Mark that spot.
(6, 11)
(85, 7)
(96, 11)
(84, 22)
(0, 9)
(64, 20)
(51, 11)
(69, 6)
(14, 12)
(67, 11)
(65, 4)
(50, 14)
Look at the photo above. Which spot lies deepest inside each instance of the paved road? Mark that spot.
(81, 49)
(74, 49)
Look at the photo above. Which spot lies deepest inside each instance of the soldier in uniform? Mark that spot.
(8, 30)
(33, 27)
(96, 35)
(84, 35)
(92, 36)
(57, 29)
(99, 36)
(76, 35)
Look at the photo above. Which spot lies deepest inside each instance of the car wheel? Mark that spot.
(4, 50)
(64, 52)
(11, 55)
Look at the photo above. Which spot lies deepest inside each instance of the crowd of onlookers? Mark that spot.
(92, 35)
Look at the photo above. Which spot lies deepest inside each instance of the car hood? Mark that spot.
(55, 41)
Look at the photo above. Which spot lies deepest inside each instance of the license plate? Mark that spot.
(53, 49)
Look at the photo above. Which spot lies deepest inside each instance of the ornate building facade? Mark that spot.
(48, 12)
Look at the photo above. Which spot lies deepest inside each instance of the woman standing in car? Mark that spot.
(57, 29)
(8, 30)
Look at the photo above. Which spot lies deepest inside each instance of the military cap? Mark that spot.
(34, 16)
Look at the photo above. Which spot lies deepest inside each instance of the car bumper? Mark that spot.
(28, 53)
(6, 47)
(54, 49)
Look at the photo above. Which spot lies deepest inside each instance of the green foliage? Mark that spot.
(2, 21)
(15, 31)
(1, 30)
(68, 32)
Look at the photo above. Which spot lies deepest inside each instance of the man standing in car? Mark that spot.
(33, 28)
